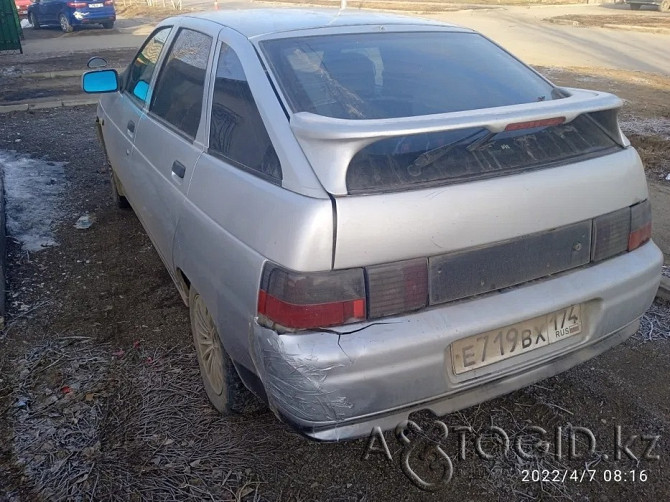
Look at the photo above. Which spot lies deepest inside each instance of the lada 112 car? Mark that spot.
(369, 215)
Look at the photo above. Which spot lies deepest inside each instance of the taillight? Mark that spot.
(623, 230)
(397, 287)
(610, 234)
(297, 300)
(109, 2)
(77, 5)
(640, 225)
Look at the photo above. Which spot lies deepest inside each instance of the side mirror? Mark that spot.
(94, 82)
(141, 90)
(96, 62)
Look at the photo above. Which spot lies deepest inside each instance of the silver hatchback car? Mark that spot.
(370, 215)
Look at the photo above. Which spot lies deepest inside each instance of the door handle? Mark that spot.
(131, 127)
(178, 169)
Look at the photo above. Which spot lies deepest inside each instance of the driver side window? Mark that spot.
(142, 68)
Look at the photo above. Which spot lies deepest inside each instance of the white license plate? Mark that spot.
(480, 350)
(94, 5)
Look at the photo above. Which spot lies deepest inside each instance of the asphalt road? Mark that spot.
(521, 30)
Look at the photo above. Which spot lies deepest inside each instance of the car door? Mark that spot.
(47, 11)
(122, 112)
(167, 145)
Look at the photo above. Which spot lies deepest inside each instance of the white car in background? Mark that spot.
(370, 215)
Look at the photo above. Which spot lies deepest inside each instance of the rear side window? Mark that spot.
(473, 153)
(237, 132)
(142, 68)
(386, 75)
(180, 87)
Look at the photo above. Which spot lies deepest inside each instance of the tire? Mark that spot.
(33, 20)
(108, 25)
(223, 385)
(635, 6)
(119, 200)
(65, 24)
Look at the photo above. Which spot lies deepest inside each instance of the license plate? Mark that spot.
(497, 345)
(94, 5)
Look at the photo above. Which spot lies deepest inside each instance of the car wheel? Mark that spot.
(65, 24)
(33, 20)
(223, 385)
(665, 6)
(635, 6)
(108, 26)
(120, 200)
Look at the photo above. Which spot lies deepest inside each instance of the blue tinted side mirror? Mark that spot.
(141, 90)
(99, 81)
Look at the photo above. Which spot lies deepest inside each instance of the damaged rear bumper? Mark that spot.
(340, 386)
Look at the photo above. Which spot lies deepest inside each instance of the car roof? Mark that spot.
(256, 22)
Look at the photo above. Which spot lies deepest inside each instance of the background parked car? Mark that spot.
(69, 14)
(663, 5)
(22, 7)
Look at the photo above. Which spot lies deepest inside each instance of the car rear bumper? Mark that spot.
(90, 16)
(333, 387)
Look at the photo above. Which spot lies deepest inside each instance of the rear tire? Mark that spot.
(635, 6)
(223, 385)
(65, 24)
(33, 20)
(108, 25)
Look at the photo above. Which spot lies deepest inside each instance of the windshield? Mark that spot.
(387, 75)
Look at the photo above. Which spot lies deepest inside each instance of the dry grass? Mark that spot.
(92, 423)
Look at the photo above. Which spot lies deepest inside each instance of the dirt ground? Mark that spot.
(100, 395)
(645, 19)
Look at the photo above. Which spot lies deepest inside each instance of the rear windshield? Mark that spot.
(474, 153)
(386, 75)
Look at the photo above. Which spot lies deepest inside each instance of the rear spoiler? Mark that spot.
(330, 143)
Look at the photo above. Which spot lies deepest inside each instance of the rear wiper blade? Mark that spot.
(436, 154)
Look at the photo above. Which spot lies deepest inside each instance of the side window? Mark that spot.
(237, 132)
(141, 70)
(181, 82)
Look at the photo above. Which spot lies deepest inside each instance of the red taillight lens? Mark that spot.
(297, 300)
(610, 234)
(109, 2)
(397, 287)
(640, 225)
(623, 230)
(532, 124)
(77, 5)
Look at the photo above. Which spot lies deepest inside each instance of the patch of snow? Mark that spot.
(657, 126)
(33, 190)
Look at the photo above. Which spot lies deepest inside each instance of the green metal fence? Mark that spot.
(10, 27)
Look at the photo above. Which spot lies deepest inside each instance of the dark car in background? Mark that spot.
(69, 14)
(662, 5)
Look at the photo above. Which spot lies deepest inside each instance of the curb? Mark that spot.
(55, 74)
(52, 74)
(643, 29)
(3, 253)
(32, 105)
(664, 289)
